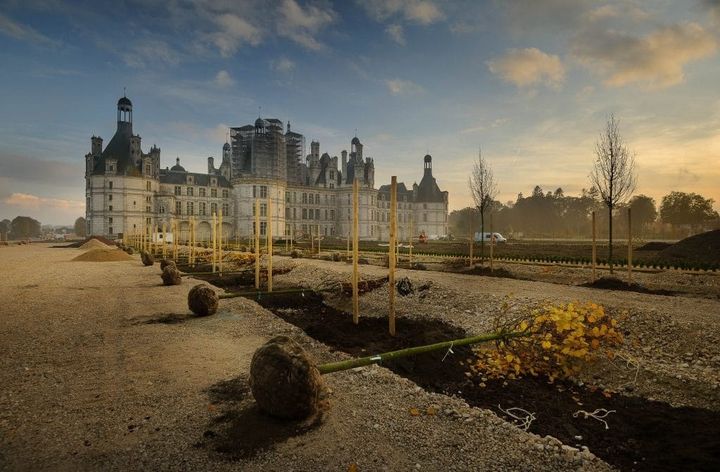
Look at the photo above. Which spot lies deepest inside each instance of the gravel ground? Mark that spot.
(102, 368)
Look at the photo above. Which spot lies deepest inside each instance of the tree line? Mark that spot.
(25, 227)
(553, 214)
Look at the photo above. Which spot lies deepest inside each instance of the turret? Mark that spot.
(96, 143)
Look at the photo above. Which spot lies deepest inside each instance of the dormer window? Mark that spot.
(213, 182)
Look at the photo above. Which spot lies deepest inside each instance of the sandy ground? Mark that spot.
(93, 379)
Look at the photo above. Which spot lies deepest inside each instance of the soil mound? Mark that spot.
(79, 244)
(701, 248)
(103, 255)
(94, 244)
(654, 246)
(613, 283)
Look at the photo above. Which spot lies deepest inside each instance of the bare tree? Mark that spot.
(613, 174)
(484, 190)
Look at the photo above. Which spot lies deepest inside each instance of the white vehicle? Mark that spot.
(495, 237)
(158, 238)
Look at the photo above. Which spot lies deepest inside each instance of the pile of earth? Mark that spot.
(654, 246)
(701, 248)
(95, 244)
(103, 255)
(80, 244)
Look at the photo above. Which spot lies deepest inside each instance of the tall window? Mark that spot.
(110, 184)
(148, 186)
(263, 228)
(178, 190)
(190, 191)
(263, 209)
(110, 197)
(225, 209)
(213, 192)
(190, 208)
(225, 193)
(203, 191)
(304, 197)
(202, 207)
(311, 199)
(213, 208)
(178, 208)
(263, 191)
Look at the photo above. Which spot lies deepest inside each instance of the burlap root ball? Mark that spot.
(147, 258)
(130, 250)
(284, 381)
(171, 276)
(166, 262)
(202, 300)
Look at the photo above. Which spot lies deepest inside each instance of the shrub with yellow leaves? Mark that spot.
(559, 340)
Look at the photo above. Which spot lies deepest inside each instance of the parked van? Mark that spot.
(496, 237)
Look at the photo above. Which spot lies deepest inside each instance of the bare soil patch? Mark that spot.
(613, 283)
(641, 434)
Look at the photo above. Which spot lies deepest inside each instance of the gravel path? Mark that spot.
(102, 368)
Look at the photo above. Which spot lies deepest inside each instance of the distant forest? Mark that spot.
(555, 215)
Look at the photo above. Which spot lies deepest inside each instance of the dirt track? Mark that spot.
(102, 370)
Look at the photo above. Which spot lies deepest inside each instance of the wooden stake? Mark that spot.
(193, 239)
(220, 238)
(492, 241)
(347, 253)
(312, 241)
(392, 260)
(594, 249)
(472, 242)
(318, 237)
(410, 239)
(257, 243)
(356, 243)
(629, 247)
(175, 239)
(269, 245)
(164, 245)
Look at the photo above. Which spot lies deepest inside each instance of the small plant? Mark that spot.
(559, 340)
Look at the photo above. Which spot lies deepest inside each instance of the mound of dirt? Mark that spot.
(103, 255)
(80, 244)
(654, 246)
(613, 283)
(701, 248)
(94, 244)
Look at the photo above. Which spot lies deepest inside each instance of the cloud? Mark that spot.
(396, 33)
(529, 66)
(26, 168)
(223, 79)
(150, 52)
(656, 59)
(234, 32)
(21, 32)
(403, 87)
(301, 24)
(282, 65)
(27, 200)
(421, 12)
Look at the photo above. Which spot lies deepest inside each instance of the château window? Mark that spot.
(110, 197)
(311, 199)
(110, 184)
(110, 221)
(225, 193)
(226, 209)
(110, 230)
(304, 197)
(148, 209)
(213, 208)
(178, 208)
(178, 190)
(148, 186)
(190, 208)
(202, 191)
(263, 191)
(213, 192)
(263, 209)
(190, 191)
(202, 207)
(110, 208)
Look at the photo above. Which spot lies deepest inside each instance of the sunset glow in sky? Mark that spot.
(531, 82)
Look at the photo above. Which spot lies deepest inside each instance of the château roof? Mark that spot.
(201, 180)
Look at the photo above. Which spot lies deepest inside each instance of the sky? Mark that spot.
(530, 83)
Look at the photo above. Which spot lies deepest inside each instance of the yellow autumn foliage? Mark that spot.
(559, 341)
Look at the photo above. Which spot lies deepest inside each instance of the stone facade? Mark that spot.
(264, 161)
